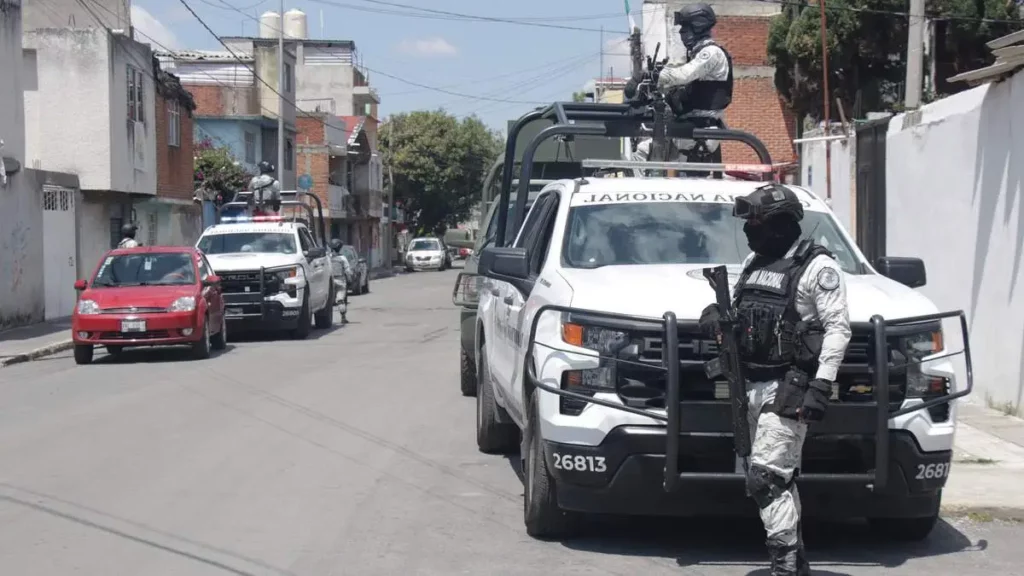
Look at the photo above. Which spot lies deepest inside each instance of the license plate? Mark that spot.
(133, 326)
(233, 312)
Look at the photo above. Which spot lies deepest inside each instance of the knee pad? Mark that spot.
(764, 485)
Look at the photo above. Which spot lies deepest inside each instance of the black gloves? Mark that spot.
(816, 400)
(709, 321)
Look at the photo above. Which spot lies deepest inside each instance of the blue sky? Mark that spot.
(496, 60)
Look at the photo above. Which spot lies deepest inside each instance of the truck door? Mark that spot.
(318, 281)
(511, 303)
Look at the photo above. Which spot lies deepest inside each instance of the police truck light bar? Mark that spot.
(681, 166)
(237, 219)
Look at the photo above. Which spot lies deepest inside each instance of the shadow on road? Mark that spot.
(740, 541)
(152, 354)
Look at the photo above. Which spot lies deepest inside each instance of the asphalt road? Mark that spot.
(349, 453)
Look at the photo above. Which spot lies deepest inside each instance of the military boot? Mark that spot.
(785, 560)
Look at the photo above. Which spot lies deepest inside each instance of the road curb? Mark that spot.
(1005, 513)
(38, 353)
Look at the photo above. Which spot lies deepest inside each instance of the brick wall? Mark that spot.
(317, 167)
(174, 164)
(309, 129)
(225, 100)
(756, 106)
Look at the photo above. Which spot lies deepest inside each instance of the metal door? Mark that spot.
(870, 222)
(59, 251)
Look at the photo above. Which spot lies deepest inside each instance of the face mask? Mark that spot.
(689, 37)
(771, 241)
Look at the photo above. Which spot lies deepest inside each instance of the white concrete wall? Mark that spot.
(843, 171)
(93, 232)
(954, 184)
(326, 83)
(21, 212)
(91, 65)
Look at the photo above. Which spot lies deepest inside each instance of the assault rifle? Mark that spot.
(728, 362)
(648, 96)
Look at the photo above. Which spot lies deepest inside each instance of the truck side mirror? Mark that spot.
(907, 271)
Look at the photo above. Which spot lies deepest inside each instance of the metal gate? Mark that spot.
(871, 188)
(59, 251)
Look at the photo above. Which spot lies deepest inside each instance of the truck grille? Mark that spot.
(644, 387)
(248, 282)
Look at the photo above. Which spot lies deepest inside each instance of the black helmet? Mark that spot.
(128, 230)
(265, 167)
(695, 22)
(336, 244)
(768, 202)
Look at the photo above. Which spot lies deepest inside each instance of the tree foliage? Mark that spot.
(438, 164)
(867, 49)
(217, 171)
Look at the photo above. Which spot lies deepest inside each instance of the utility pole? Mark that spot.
(915, 47)
(387, 207)
(827, 105)
(280, 101)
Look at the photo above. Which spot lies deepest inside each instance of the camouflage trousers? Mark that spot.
(778, 446)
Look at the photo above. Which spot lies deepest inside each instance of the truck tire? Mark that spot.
(325, 318)
(468, 372)
(541, 514)
(301, 332)
(492, 437)
(903, 529)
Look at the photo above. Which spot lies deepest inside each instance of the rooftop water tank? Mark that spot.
(270, 25)
(295, 24)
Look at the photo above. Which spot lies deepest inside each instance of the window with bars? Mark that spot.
(151, 232)
(136, 102)
(173, 123)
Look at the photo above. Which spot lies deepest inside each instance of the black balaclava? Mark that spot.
(772, 237)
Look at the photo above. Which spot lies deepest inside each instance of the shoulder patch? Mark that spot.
(704, 54)
(828, 279)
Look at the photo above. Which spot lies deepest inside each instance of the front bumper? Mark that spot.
(163, 329)
(252, 312)
(631, 462)
(427, 265)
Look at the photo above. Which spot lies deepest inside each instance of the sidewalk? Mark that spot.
(988, 462)
(30, 342)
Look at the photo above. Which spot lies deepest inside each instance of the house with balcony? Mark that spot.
(234, 108)
(322, 153)
(90, 110)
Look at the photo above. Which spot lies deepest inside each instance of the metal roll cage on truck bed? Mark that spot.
(703, 417)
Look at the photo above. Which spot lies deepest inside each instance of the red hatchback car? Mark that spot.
(149, 296)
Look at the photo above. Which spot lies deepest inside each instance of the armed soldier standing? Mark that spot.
(790, 300)
(698, 90)
(265, 188)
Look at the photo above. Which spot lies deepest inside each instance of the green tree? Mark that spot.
(438, 164)
(217, 171)
(867, 50)
(579, 96)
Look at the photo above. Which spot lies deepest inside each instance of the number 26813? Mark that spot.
(572, 463)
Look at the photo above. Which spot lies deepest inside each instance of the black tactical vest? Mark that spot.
(773, 338)
(711, 94)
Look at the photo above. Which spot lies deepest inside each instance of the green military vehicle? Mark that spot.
(555, 159)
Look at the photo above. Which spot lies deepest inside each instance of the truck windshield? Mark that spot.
(257, 242)
(677, 233)
(150, 269)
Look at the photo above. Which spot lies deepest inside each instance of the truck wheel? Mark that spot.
(541, 514)
(201, 347)
(469, 385)
(903, 529)
(492, 437)
(305, 319)
(83, 353)
(325, 317)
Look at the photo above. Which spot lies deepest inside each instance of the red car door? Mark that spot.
(212, 294)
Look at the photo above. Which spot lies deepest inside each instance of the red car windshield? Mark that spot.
(146, 269)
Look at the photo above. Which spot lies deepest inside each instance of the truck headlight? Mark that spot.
(607, 343)
(918, 346)
(88, 307)
(183, 304)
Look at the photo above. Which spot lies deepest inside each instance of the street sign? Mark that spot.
(305, 182)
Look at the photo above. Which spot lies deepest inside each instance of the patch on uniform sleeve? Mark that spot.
(704, 54)
(828, 279)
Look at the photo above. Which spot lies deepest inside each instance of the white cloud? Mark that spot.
(427, 47)
(151, 30)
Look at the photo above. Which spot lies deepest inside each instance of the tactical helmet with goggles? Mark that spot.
(695, 22)
(767, 202)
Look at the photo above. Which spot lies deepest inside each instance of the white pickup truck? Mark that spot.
(274, 275)
(605, 258)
